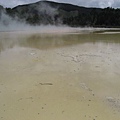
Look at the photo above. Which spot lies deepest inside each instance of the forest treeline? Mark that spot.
(46, 12)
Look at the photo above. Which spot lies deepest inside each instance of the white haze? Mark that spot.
(48, 10)
(8, 24)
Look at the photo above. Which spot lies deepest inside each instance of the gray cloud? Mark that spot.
(13, 3)
(91, 3)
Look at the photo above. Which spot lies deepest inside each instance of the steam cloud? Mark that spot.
(8, 23)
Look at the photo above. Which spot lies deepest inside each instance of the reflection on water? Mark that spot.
(68, 77)
(50, 41)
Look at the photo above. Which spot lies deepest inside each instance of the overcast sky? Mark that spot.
(87, 3)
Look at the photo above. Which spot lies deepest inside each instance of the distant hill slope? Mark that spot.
(1, 8)
(46, 12)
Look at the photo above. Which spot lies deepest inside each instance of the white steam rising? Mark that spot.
(106, 3)
(8, 23)
(47, 10)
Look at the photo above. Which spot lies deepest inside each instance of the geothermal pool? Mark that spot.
(59, 76)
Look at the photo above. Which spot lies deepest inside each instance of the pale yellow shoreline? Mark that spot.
(61, 30)
(69, 82)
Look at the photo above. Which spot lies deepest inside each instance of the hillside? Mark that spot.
(1, 9)
(46, 12)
